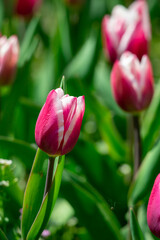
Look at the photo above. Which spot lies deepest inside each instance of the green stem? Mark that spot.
(137, 143)
(49, 175)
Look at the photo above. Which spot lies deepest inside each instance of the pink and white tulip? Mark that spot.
(127, 30)
(9, 53)
(153, 209)
(59, 123)
(27, 8)
(132, 82)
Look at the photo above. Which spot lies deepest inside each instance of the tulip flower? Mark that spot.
(59, 123)
(27, 7)
(153, 209)
(126, 30)
(9, 53)
(132, 82)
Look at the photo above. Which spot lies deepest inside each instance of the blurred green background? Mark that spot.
(97, 188)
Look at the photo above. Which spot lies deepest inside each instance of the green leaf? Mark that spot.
(81, 63)
(136, 231)
(103, 86)
(2, 235)
(11, 147)
(47, 204)
(63, 26)
(90, 207)
(1, 13)
(36, 210)
(104, 170)
(151, 127)
(116, 145)
(29, 43)
(147, 173)
(34, 191)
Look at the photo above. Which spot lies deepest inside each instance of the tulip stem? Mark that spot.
(49, 175)
(137, 143)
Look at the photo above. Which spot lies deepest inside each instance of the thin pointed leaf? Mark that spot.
(148, 171)
(28, 38)
(90, 207)
(2, 235)
(48, 203)
(136, 231)
(34, 192)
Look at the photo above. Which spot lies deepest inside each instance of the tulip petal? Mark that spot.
(109, 48)
(123, 90)
(153, 209)
(50, 125)
(72, 133)
(147, 87)
(69, 105)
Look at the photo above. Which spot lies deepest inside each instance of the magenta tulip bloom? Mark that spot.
(9, 53)
(153, 209)
(132, 82)
(27, 7)
(126, 30)
(59, 123)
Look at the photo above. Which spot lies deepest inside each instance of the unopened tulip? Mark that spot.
(126, 30)
(9, 53)
(27, 7)
(59, 123)
(132, 82)
(153, 209)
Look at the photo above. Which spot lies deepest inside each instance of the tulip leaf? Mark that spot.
(1, 13)
(90, 207)
(116, 145)
(64, 30)
(104, 170)
(151, 126)
(136, 231)
(47, 204)
(36, 210)
(103, 86)
(34, 191)
(11, 147)
(27, 42)
(147, 173)
(2, 235)
(81, 63)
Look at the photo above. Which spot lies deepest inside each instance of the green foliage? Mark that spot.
(97, 183)
(36, 207)
(135, 228)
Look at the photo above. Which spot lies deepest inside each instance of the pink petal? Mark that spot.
(108, 45)
(73, 131)
(9, 53)
(123, 90)
(50, 125)
(27, 7)
(141, 8)
(148, 82)
(153, 209)
(138, 43)
(69, 105)
(60, 92)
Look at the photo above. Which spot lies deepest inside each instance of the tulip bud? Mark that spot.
(9, 53)
(153, 209)
(126, 30)
(59, 123)
(27, 7)
(132, 82)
